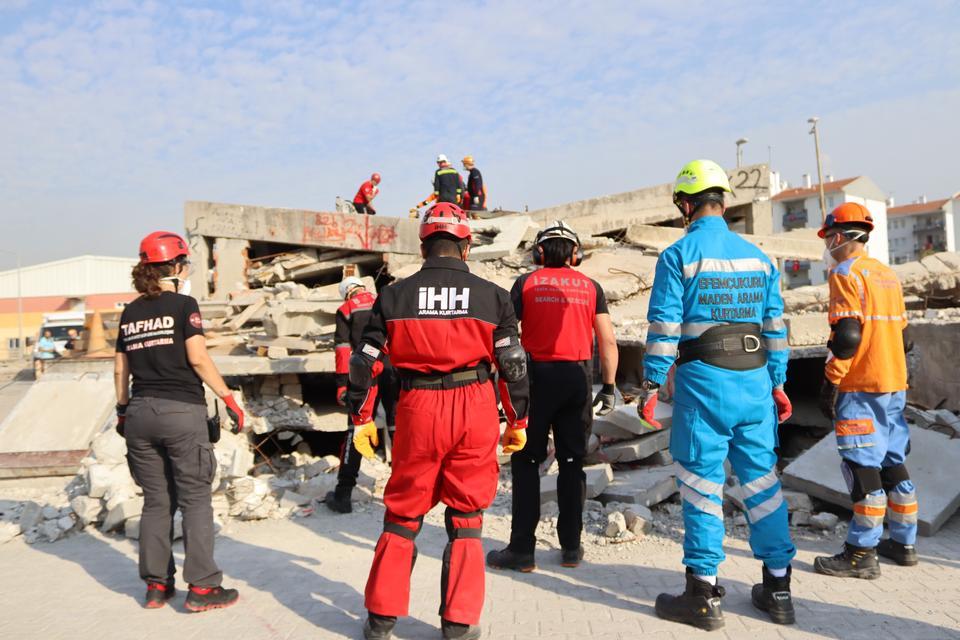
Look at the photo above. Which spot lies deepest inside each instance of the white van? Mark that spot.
(59, 324)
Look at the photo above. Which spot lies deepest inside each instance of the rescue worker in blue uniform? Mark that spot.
(715, 311)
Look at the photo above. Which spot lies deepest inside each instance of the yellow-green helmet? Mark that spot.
(700, 175)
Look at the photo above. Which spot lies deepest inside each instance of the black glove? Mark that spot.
(121, 418)
(606, 399)
(828, 399)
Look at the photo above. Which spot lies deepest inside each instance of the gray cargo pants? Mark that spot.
(172, 460)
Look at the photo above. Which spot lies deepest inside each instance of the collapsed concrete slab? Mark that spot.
(622, 272)
(817, 473)
(645, 486)
(598, 477)
(636, 449)
(784, 245)
(807, 329)
(497, 237)
(623, 422)
(937, 347)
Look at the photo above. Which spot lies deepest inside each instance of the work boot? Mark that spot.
(158, 594)
(339, 501)
(207, 598)
(459, 631)
(509, 559)
(852, 562)
(904, 555)
(571, 557)
(378, 627)
(698, 605)
(773, 596)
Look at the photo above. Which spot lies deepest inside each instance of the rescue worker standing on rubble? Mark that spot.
(560, 311)
(475, 198)
(163, 419)
(864, 392)
(444, 329)
(352, 317)
(363, 201)
(715, 311)
(447, 185)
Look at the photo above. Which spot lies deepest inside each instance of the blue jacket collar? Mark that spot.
(710, 222)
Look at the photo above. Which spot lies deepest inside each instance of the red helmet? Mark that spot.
(162, 246)
(445, 217)
(375, 177)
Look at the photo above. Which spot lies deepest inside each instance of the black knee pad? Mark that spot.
(861, 480)
(400, 530)
(892, 476)
(454, 533)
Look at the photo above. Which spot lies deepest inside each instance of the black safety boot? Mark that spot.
(852, 562)
(509, 559)
(158, 594)
(207, 598)
(458, 631)
(773, 596)
(904, 555)
(698, 605)
(571, 557)
(339, 501)
(378, 627)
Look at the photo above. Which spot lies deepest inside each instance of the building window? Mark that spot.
(13, 343)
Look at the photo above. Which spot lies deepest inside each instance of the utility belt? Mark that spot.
(736, 347)
(460, 378)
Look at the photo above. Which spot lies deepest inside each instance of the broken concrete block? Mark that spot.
(317, 486)
(549, 509)
(638, 448)
(659, 459)
(316, 468)
(800, 518)
(240, 464)
(50, 512)
(808, 329)
(101, 478)
(817, 473)
(797, 501)
(647, 486)
(109, 448)
(623, 272)
(624, 419)
(120, 513)
(131, 528)
(65, 523)
(50, 530)
(616, 525)
(598, 477)
(30, 516)
(295, 498)
(639, 520)
(548, 489)
(824, 521)
(8, 531)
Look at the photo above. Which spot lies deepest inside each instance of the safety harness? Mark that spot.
(459, 378)
(736, 347)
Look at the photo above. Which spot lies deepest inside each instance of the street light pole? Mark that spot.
(740, 143)
(20, 341)
(816, 143)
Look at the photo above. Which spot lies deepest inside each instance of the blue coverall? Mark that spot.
(712, 277)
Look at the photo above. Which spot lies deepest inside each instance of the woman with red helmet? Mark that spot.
(160, 345)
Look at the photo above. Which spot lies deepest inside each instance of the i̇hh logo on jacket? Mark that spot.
(443, 301)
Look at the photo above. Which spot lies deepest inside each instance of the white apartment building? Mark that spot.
(921, 228)
(799, 208)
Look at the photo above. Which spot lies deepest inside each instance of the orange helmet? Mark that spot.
(846, 213)
(162, 246)
(445, 217)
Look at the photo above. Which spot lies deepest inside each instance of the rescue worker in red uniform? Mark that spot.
(352, 317)
(560, 310)
(363, 201)
(445, 329)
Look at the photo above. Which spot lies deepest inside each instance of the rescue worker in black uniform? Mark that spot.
(352, 317)
(476, 195)
(560, 311)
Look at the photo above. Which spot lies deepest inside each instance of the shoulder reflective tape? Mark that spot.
(700, 502)
(699, 483)
(662, 348)
(845, 314)
(886, 318)
(762, 483)
(765, 508)
(696, 329)
(859, 427)
(774, 324)
(665, 328)
(720, 265)
(775, 344)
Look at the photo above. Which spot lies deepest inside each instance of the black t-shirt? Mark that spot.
(153, 334)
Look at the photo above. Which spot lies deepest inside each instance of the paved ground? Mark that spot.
(304, 579)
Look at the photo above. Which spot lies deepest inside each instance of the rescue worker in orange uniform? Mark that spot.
(864, 392)
(445, 329)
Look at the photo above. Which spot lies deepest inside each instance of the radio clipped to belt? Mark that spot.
(736, 347)
(213, 423)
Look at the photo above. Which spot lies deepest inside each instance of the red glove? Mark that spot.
(784, 407)
(648, 403)
(235, 412)
(342, 396)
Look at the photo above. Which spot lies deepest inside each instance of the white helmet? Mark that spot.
(558, 229)
(442, 158)
(349, 283)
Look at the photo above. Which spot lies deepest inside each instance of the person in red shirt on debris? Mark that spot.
(363, 201)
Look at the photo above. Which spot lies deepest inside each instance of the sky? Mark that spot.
(114, 113)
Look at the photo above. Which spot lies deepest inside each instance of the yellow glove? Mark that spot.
(513, 440)
(366, 439)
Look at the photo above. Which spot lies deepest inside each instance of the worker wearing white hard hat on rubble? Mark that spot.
(447, 186)
(352, 317)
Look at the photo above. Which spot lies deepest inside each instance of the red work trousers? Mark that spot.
(445, 450)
